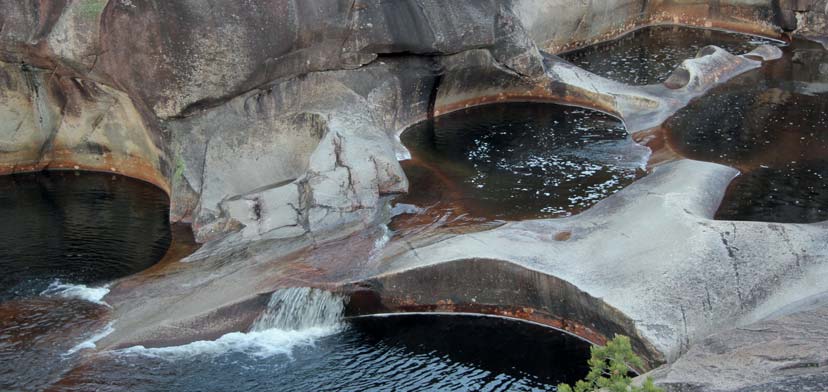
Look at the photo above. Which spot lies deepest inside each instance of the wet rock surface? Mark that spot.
(487, 286)
(54, 121)
(41, 331)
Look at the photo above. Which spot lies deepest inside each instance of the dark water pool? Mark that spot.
(402, 353)
(519, 161)
(37, 333)
(61, 231)
(772, 124)
(649, 55)
(77, 228)
(88, 228)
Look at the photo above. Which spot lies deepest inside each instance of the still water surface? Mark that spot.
(772, 125)
(77, 228)
(519, 161)
(649, 55)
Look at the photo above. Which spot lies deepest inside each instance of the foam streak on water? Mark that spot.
(91, 342)
(77, 291)
(295, 317)
(260, 344)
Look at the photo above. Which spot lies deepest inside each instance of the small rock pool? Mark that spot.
(772, 125)
(64, 236)
(77, 228)
(519, 161)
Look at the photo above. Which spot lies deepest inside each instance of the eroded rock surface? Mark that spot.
(722, 271)
(274, 125)
(180, 87)
(785, 352)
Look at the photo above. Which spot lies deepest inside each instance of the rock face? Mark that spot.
(325, 137)
(64, 122)
(274, 125)
(784, 352)
(195, 82)
(812, 19)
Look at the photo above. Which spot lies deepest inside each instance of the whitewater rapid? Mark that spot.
(77, 291)
(294, 317)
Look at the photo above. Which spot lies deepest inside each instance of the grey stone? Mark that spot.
(721, 272)
(783, 353)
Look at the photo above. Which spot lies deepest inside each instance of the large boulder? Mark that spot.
(181, 56)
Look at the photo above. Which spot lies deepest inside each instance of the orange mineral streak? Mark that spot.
(656, 140)
(515, 312)
(734, 19)
(563, 236)
(540, 93)
(30, 311)
(520, 313)
(67, 159)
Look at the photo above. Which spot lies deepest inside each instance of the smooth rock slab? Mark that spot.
(653, 252)
(785, 353)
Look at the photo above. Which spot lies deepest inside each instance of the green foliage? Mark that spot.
(178, 174)
(609, 370)
(91, 8)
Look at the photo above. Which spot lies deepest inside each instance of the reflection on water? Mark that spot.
(772, 124)
(518, 161)
(79, 228)
(649, 55)
(795, 193)
(403, 353)
(62, 230)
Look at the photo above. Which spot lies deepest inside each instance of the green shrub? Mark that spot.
(91, 8)
(609, 369)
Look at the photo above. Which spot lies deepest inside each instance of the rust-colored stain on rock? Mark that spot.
(563, 236)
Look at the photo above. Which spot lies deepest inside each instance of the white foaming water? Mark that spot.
(261, 344)
(294, 317)
(78, 291)
(379, 243)
(402, 208)
(299, 308)
(90, 343)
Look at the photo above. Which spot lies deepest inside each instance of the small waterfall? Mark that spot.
(295, 317)
(300, 308)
